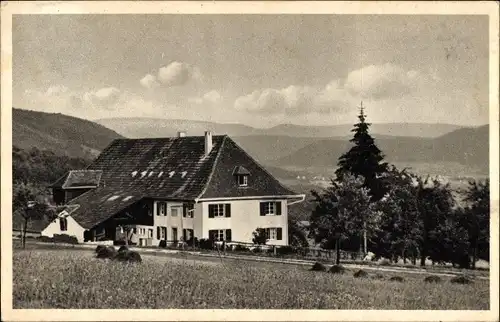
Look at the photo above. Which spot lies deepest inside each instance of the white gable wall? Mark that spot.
(245, 219)
(73, 229)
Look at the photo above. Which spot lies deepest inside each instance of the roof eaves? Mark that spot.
(53, 185)
(217, 157)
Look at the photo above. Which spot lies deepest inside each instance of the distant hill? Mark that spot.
(59, 133)
(152, 127)
(465, 146)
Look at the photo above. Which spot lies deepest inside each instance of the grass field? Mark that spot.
(74, 279)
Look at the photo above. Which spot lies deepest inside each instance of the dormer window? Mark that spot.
(241, 174)
(243, 180)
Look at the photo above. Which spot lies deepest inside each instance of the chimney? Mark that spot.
(208, 142)
(181, 134)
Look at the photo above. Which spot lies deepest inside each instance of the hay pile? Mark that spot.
(104, 252)
(123, 254)
(461, 280)
(360, 274)
(396, 279)
(337, 269)
(432, 279)
(318, 267)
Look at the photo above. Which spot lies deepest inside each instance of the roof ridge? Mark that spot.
(167, 137)
(217, 157)
(261, 167)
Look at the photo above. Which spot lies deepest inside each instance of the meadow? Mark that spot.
(64, 278)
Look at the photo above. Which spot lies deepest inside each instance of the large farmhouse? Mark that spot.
(148, 190)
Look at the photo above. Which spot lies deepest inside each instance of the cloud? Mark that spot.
(382, 81)
(178, 74)
(211, 97)
(106, 97)
(295, 100)
(104, 102)
(149, 81)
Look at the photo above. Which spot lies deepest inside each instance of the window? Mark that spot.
(219, 210)
(188, 210)
(271, 233)
(161, 233)
(274, 233)
(150, 233)
(220, 234)
(243, 180)
(174, 211)
(63, 224)
(162, 209)
(270, 208)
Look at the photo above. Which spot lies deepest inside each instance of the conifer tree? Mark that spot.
(364, 159)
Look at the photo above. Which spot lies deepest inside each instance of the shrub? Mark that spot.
(318, 267)
(106, 252)
(384, 262)
(63, 238)
(378, 276)
(396, 279)
(337, 269)
(128, 256)
(241, 248)
(99, 248)
(285, 250)
(119, 242)
(162, 244)
(45, 239)
(461, 280)
(207, 244)
(432, 279)
(122, 249)
(360, 273)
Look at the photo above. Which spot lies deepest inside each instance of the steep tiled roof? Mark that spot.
(169, 168)
(174, 168)
(224, 184)
(79, 178)
(100, 204)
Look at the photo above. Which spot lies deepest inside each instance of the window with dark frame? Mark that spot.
(162, 209)
(63, 224)
(219, 210)
(270, 208)
(243, 180)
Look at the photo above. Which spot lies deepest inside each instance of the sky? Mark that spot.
(258, 70)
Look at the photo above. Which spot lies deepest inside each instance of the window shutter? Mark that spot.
(158, 236)
(228, 235)
(211, 234)
(278, 208)
(184, 234)
(228, 210)
(279, 233)
(262, 208)
(184, 210)
(211, 211)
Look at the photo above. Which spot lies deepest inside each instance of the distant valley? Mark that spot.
(300, 156)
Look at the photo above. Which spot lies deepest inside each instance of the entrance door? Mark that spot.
(174, 234)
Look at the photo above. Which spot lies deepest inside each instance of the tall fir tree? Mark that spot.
(364, 159)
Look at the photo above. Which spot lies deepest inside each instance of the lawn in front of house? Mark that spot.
(75, 279)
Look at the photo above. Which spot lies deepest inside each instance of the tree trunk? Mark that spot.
(25, 229)
(365, 242)
(337, 250)
(474, 255)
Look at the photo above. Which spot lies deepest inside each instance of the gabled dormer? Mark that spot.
(241, 176)
(73, 184)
